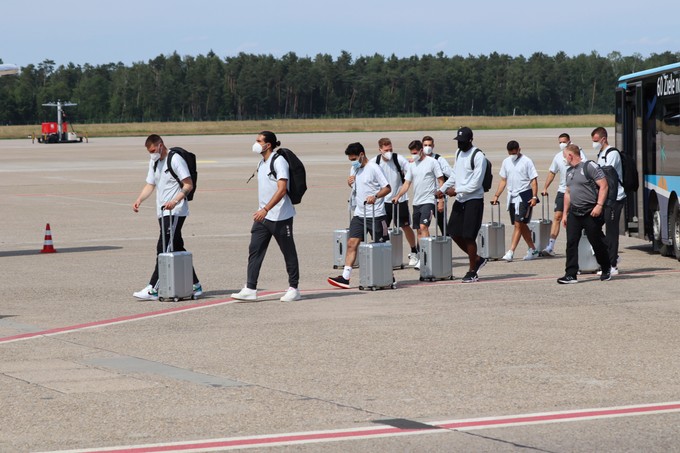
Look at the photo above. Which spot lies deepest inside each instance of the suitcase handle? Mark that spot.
(372, 223)
(169, 247)
(395, 217)
(436, 215)
(545, 203)
(498, 205)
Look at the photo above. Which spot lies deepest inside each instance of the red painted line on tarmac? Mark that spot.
(263, 441)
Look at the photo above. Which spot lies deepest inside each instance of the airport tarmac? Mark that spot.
(514, 362)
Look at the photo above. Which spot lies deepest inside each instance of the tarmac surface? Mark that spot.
(514, 362)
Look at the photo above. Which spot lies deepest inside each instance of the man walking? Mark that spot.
(558, 165)
(370, 186)
(465, 184)
(172, 206)
(584, 202)
(394, 167)
(273, 218)
(428, 149)
(608, 155)
(519, 174)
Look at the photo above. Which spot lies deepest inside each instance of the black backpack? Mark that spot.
(487, 181)
(395, 159)
(297, 176)
(190, 159)
(631, 182)
(436, 157)
(612, 181)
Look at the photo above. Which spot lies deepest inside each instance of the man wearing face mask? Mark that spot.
(558, 165)
(519, 174)
(426, 176)
(612, 214)
(388, 161)
(370, 186)
(273, 218)
(428, 149)
(171, 203)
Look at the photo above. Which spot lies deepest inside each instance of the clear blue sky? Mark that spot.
(95, 32)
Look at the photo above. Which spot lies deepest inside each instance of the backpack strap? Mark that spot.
(377, 159)
(472, 159)
(168, 165)
(606, 153)
(395, 159)
(272, 171)
(436, 156)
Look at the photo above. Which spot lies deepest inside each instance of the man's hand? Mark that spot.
(597, 211)
(370, 199)
(260, 215)
(451, 192)
(350, 180)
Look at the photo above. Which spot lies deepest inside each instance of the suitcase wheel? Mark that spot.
(373, 288)
(176, 299)
(402, 266)
(422, 279)
(393, 286)
(361, 288)
(161, 299)
(451, 277)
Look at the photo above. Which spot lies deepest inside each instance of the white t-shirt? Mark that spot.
(423, 175)
(559, 165)
(444, 164)
(368, 181)
(267, 187)
(167, 187)
(613, 159)
(393, 176)
(518, 174)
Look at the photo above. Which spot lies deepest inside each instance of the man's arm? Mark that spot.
(499, 191)
(567, 203)
(534, 192)
(147, 190)
(601, 197)
(548, 181)
(402, 191)
(187, 187)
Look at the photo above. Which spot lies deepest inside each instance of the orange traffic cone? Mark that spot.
(48, 247)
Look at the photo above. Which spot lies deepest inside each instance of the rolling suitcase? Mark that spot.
(491, 238)
(375, 262)
(397, 240)
(587, 263)
(540, 229)
(340, 237)
(436, 253)
(175, 270)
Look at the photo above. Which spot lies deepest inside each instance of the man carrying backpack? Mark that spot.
(171, 204)
(428, 149)
(609, 156)
(273, 218)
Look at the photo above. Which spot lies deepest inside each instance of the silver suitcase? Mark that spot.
(397, 240)
(587, 263)
(340, 237)
(375, 263)
(436, 253)
(540, 229)
(175, 270)
(491, 238)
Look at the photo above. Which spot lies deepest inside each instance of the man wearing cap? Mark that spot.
(465, 184)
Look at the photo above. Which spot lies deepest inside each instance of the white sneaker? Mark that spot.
(148, 293)
(531, 254)
(508, 256)
(417, 265)
(291, 295)
(412, 259)
(612, 271)
(547, 252)
(245, 294)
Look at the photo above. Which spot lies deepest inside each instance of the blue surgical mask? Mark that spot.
(356, 164)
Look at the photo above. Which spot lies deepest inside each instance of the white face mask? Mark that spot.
(155, 156)
(427, 150)
(388, 155)
(597, 146)
(257, 148)
(563, 146)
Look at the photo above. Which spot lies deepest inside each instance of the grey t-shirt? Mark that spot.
(582, 187)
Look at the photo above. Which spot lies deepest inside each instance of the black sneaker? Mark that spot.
(606, 276)
(339, 281)
(481, 262)
(470, 277)
(567, 279)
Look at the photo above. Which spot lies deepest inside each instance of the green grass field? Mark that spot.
(322, 125)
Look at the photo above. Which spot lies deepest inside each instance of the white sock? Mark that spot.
(551, 244)
(346, 272)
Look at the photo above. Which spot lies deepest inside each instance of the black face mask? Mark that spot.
(464, 146)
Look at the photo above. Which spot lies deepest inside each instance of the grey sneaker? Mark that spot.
(567, 279)
(470, 277)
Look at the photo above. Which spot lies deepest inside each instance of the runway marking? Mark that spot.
(309, 437)
(263, 297)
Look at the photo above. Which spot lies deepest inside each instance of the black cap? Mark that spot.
(464, 134)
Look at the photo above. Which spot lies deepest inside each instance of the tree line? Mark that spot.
(248, 86)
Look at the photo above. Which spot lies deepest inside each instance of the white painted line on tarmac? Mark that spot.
(275, 440)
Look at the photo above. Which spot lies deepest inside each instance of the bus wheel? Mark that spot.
(675, 229)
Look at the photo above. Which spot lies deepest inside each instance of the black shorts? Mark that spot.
(422, 214)
(404, 214)
(559, 202)
(356, 228)
(466, 218)
(524, 213)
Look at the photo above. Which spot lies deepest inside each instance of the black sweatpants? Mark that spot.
(260, 235)
(177, 242)
(593, 228)
(612, 216)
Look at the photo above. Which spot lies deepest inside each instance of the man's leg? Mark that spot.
(593, 228)
(574, 228)
(283, 233)
(612, 218)
(260, 235)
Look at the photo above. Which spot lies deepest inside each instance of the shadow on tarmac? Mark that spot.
(10, 253)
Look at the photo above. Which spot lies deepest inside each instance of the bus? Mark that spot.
(648, 131)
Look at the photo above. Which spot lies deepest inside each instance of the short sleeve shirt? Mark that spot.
(368, 181)
(267, 185)
(581, 183)
(393, 176)
(167, 187)
(423, 175)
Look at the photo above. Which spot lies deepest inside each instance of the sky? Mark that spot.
(94, 32)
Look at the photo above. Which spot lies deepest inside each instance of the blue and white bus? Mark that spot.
(648, 131)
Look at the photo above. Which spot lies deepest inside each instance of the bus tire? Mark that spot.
(675, 229)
